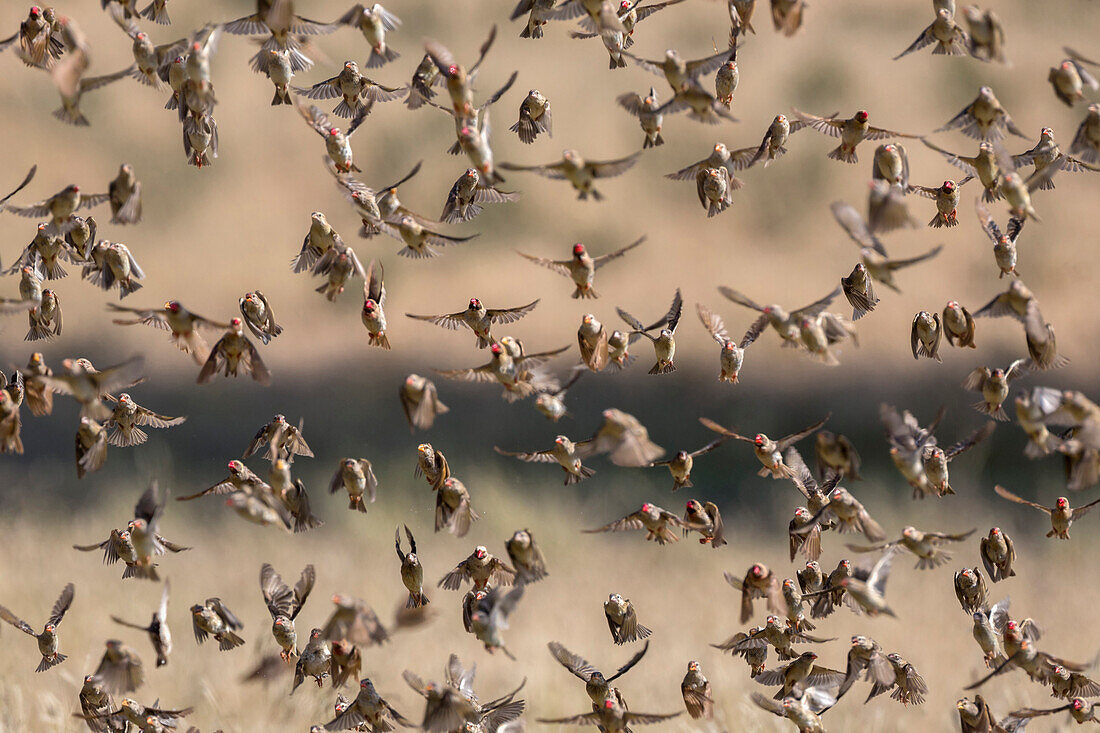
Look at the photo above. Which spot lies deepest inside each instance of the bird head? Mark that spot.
(475, 303)
(1063, 502)
(949, 186)
(480, 552)
(862, 116)
(760, 439)
(578, 249)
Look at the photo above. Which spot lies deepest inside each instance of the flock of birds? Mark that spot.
(1062, 423)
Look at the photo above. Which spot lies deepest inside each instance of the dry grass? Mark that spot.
(677, 590)
(209, 236)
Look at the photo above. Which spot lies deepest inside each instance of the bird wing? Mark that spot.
(1006, 494)
(970, 441)
(856, 227)
(924, 39)
(510, 315)
(216, 605)
(558, 266)
(602, 260)
(826, 125)
(713, 323)
(544, 456)
(630, 521)
(483, 373)
(61, 605)
(449, 321)
(815, 308)
(793, 438)
(555, 171)
(898, 264)
(711, 425)
(612, 168)
(578, 665)
(17, 622)
(1083, 510)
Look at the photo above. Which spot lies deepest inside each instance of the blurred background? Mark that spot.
(210, 235)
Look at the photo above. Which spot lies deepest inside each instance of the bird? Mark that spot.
(768, 451)
(566, 453)
(582, 266)
(284, 605)
(664, 343)
(851, 132)
(478, 319)
(983, 119)
(1062, 515)
(657, 522)
(158, 631)
(596, 684)
(580, 172)
(213, 618)
(47, 639)
(681, 464)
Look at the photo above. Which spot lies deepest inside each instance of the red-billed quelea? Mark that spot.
(769, 452)
(582, 267)
(232, 355)
(785, 323)
(47, 640)
(373, 22)
(983, 119)
(646, 110)
(659, 524)
(732, 356)
(851, 132)
(664, 343)
(1062, 515)
(581, 173)
(1069, 78)
(478, 319)
(213, 618)
(566, 453)
(949, 37)
(284, 605)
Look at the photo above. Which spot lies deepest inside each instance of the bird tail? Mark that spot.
(379, 339)
(38, 332)
(572, 478)
(843, 155)
(993, 194)
(127, 286)
(381, 59)
(357, 503)
(143, 572)
(71, 116)
(417, 600)
(665, 368)
(157, 15)
(228, 640)
(126, 438)
(282, 96)
(52, 661)
(347, 111)
(589, 293)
